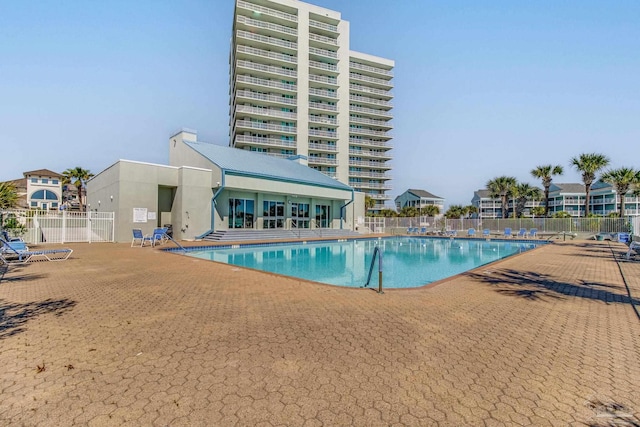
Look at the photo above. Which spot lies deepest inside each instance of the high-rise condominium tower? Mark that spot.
(297, 89)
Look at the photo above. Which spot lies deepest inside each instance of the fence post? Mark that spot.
(64, 227)
(89, 226)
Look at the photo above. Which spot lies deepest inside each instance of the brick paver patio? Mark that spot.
(119, 336)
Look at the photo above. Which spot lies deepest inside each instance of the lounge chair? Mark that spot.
(486, 233)
(160, 236)
(451, 233)
(507, 232)
(471, 232)
(137, 235)
(18, 253)
(533, 233)
(522, 233)
(423, 231)
(633, 247)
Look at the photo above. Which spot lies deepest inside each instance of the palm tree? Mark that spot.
(409, 212)
(8, 195)
(523, 193)
(622, 179)
(546, 173)
(589, 164)
(470, 210)
(502, 187)
(78, 177)
(430, 210)
(455, 211)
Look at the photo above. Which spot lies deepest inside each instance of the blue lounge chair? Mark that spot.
(451, 233)
(507, 232)
(423, 230)
(486, 233)
(522, 233)
(533, 233)
(159, 236)
(17, 252)
(137, 235)
(471, 232)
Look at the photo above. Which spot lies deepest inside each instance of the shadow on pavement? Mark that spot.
(14, 316)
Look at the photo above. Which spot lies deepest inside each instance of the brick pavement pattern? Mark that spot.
(120, 336)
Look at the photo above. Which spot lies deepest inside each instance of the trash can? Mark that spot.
(623, 237)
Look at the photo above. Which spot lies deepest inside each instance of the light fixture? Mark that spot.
(111, 198)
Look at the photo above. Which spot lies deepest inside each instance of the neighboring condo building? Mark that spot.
(419, 199)
(296, 89)
(39, 189)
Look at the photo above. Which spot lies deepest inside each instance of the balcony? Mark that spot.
(370, 143)
(330, 174)
(323, 40)
(370, 132)
(322, 26)
(372, 81)
(323, 120)
(322, 52)
(267, 41)
(266, 25)
(366, 100)
(371, 111)
(371, 122)
(375, 154)
(323, 79)
(367, 68)
(248, 124)
(367, 89)
(267, 69)
(323, 93)
(372, 165)
(322, 147)
(324, 66)
(317, 160)
(373, 185)
(246, 51)
(255, 81)
(268, 112)
(247, 94)
(241, 140)
(322, 106)
(362, 174)
(266, 11)
(379, 196)
(323, 133)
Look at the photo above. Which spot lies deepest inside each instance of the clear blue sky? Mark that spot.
(482, 89)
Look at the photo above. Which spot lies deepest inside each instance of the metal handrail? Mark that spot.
(376, 251)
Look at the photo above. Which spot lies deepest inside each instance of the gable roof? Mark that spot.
(567, 188)
(423, 194)
(245, 162)
(43, 172)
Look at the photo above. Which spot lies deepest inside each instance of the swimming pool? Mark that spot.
(407, 261)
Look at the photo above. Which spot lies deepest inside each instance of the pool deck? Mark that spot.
(120, 336)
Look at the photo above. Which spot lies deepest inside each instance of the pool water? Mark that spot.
(407, 261)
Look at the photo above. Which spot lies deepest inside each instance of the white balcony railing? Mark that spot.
(265, 82)
(267, 25)
(323, 52)
(323, 106)
(370, 111)
(323, 133)
(367, 100)
(371, 122)
(324, 120)
(365, 131)
(323, 79)
(322, 147)
(364, 153)
(266, 68)
(372, 165)
(323, 39)
(265, 112)
(323, 66)
(322, 25)
(265, 126)
(322, 92)
(369, 174)
(266, 54)
(255, 140)
(264, 97)
(317, 160)
(266, 39)
(372, 80)
(368, 89)
(266, 11)
(373, 185)
(376, 70)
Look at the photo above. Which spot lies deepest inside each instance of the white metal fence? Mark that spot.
(544, 225)
(37, 226)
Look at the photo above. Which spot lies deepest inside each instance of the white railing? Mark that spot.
(320, 119)
(264, 82)
(265, 112)
(63, 226)
(322, 106)
(372, 122)
(374, 165)
(323, 39)
(367, 100)
(366, 131)
(369, 90)
(328, 27)
(370, 79)
(266, 39)
(322, 160)
(266, 54)
(322, 147)
(360, 141)
(371, 111)
(264, 97)
(266, 68)
(326, 134)
(323, 66)
(322, 92)
(246, 139)
(267, 25)
(369, 174)
(267, 11)
(323, 52)
(377, 186)
(265, 126)
(323, 79)
(364, 153)
(371, 69)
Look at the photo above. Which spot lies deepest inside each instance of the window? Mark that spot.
(45, 180)
(323, 215)
(54, 181)
(273, 214)
(300, 215)
(241, 213)
(34, 180)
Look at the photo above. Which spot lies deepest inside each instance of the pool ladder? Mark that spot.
(378, 252)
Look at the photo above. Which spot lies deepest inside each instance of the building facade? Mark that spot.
(39, 189)
(209, 187)
(491, 207)
(419, 199)
(297, 89)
